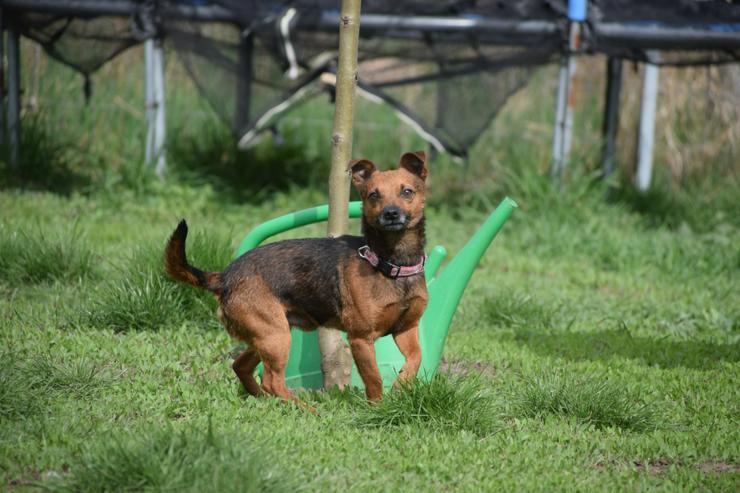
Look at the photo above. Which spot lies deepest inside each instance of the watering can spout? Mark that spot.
(447, 288)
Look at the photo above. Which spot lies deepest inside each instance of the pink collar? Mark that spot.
(388, 269)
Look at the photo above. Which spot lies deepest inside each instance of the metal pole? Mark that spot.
(563, 130)
(611, 114)
(160, 123)
(647, 124)
(149, 100)
(14, 97)
(562, 135)
(155, 105)
(244, 82)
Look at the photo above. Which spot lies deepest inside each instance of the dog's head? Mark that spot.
(392, 200)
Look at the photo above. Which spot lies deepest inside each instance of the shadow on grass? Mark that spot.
(45, 163)
(701, 208)
(608, 345)
(213, 157)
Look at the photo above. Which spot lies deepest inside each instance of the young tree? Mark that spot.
(336, 359)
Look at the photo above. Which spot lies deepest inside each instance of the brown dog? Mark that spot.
(368, 286)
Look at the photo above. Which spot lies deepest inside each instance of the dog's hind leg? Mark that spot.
(244, 366)
(274, 352)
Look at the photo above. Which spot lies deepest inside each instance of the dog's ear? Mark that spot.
(416, 163)
(361, 170)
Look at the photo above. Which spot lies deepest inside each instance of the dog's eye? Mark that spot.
(374, 195)
(407, 193)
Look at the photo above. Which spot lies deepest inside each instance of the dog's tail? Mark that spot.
(176, 263)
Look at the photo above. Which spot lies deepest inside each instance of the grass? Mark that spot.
(445, 403)
(31, 255)
(142, 297)
(595, 401)
(165, 459)
(27, 385)
(597, 347)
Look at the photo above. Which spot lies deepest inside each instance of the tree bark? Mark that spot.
(336, 359)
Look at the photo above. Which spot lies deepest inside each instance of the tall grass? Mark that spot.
(34, 255)
(142, 297)
(518, 310)
(445, 403)
(164, 459)
(592, 400)
(697, 125)
(47, 162)
(213, 157)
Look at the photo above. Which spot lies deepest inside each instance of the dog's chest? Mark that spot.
(383, 305)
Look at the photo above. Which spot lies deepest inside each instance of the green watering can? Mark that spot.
(445, 291)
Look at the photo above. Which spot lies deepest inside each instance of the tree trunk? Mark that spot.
(336, 359)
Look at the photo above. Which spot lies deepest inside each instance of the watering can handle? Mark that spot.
(314, 215)
(289, 221)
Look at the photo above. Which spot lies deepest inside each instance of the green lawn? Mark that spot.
(597, 347)
(591, 352)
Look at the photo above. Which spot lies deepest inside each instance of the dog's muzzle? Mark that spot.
(393, 218)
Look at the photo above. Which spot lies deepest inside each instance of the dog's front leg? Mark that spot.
(363, 351)
(407, 341)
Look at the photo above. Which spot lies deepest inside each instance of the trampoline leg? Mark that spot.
(646, 134)
(14, 97)
(563, 130)
(611, 115)
(155, 105)
(244, 82)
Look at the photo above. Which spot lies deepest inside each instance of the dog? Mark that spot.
(368, 286)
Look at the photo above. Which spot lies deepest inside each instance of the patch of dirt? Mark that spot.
(717, 467)
(657, 466)
(463, 368)
(661, 465)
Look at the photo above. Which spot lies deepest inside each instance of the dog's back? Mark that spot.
(303, 274)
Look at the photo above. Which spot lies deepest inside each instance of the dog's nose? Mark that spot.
(391, 213)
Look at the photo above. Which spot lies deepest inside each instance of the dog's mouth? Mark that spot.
(394, 226)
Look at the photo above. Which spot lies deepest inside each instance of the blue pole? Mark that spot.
(577, 10)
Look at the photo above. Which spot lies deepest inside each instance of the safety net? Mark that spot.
(446, 66)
